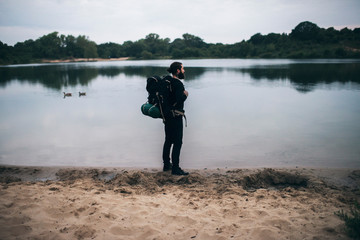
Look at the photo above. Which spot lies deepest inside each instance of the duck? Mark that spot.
(82, 94)
(67, 94)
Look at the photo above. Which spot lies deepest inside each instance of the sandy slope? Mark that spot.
(96, 203)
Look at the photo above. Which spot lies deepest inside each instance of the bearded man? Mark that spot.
(174, 123)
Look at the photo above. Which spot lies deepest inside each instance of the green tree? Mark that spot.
(306, 40)
(71, 48)
(217, 50)
(156, 46)
(49, 46)
(6, 53)
(273, 38)
(110, 50)
(176, 48)
(305, 31)
(88, 48)
(193, 41)
(134, 49)
(25, 51)
(146, 55)
(257, 38)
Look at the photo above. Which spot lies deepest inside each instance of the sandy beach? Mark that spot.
(119, 203)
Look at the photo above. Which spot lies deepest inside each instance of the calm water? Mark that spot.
(241, 113)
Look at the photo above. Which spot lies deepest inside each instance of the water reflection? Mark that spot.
(59, 76)
(54, 77)
(303, 77)
(240, 114)
(306, 77)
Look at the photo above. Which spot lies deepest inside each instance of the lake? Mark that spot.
(240, 113)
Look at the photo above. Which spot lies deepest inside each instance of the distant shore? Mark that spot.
(84, 60)
(120, 203)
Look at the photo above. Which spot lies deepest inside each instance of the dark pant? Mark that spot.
(173, 137)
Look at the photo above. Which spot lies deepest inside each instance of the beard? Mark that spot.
(181, 76)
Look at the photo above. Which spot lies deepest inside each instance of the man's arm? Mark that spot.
(180, 94)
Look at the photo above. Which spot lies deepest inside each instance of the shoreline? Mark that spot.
(84, 60)
(146, 203)
(39, 173)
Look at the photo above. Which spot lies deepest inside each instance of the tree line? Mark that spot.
(306, 40)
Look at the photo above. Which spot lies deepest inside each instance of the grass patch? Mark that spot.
(352, 221)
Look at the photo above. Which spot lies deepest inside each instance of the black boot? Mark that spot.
(167, 167)
(179, 171)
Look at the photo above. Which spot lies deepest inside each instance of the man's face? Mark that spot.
(181, 73)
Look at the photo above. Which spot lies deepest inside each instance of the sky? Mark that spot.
(214, 21)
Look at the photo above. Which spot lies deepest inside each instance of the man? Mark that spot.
(174, 123)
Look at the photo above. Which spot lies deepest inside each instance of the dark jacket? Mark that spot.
(177, 96)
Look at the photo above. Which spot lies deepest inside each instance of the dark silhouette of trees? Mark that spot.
(110, 50)
(305, 31)
(306, 40)
(87, 48)
(155, 46)
(50, 46)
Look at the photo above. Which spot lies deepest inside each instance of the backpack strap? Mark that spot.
(179, 113)
(161, 110)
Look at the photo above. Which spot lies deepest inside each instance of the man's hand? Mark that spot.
(186, 93)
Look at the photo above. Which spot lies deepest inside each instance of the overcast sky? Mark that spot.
(225, 21)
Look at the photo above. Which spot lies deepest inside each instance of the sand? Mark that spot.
(117, 203)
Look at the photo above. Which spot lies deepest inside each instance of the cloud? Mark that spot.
(226, 21)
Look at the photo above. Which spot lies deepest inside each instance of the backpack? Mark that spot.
(159, 90)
